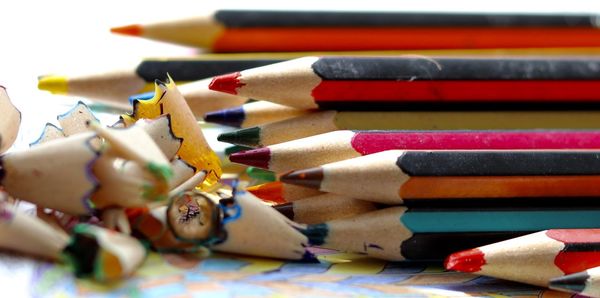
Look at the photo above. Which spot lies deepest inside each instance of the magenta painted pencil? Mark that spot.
(344, 144)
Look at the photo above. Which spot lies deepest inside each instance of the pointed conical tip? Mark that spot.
(228, 83)
(257, 157)
(286, 209)
(235, 148)
(469, 261)
(246, 137)
(271, 192)
(229, 117)
(309, 177)
(54, 84)
(131, 30)
(574, 283)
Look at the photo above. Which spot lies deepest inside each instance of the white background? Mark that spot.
(43, 37)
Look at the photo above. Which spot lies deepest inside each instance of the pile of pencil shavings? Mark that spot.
(151, 175)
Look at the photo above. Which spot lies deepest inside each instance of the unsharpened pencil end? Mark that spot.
(228, 83)
(131, 30)
(54, 84)
(465, 261)
(574, 283)
(309, 177)
(257, 157)
(230, 117)
(246, 137)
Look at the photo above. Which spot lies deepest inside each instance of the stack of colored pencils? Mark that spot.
(456, 131)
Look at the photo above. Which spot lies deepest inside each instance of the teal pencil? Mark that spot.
(383, 233)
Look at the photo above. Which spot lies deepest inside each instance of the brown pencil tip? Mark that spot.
(131, 30)
(257, 157)
(286, 209)
(228, 83)
(309, 177)
(465, 261)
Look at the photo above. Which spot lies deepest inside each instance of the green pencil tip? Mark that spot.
(163, 172)
(260, 174)
(244, 137)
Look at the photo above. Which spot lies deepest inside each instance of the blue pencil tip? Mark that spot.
(141, 96)
(230, 117)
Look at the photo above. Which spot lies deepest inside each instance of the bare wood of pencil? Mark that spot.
(325, 207)
(327, 121)
(9, 122)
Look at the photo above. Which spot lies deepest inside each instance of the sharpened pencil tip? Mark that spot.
(574, 283)
(270, 192)
(257, 157)
(287, 209)
(131, 30)
(229, 117)
(309, 177)
(54, 84)
(309, 257)
(465, 261)
(235, 148)
(245, 137)
(228, 83)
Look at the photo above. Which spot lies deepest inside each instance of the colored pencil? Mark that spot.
(327, 121)
(585, 283)
(250, 30)
(534, 258)
(391, 176)
(351, 82)
(10, 121)
(252, 114)
(120, 84)
(280, 193)
(344, 144)
(322, 208)
(385, 234)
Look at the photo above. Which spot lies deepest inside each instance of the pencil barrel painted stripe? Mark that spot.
(500, 187)
(369, 142)
(381, 39)
(193, 70)
(432, 69)
(456, 91)
(499, 163)
(268, 18)
(498, 221)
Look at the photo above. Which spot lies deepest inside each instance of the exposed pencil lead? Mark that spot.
(245, 137)
(570, 283)
(228, 83)
(309, 177)
(53, 84)
(229, 117)
(131, 30)
(257, 157)
(465, 261)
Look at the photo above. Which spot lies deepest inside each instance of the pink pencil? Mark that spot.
(344, 144)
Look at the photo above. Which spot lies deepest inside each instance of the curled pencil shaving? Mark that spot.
(9, 122)
(194, 148)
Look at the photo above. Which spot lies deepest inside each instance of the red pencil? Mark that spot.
(344, 144)
(384, 82)
(534, 258)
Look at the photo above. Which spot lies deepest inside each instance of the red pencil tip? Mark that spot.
(465, 261)
(226, 83)
(132, 30)
(310, 177)
(257, 157)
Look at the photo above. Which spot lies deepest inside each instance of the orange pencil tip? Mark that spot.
(465, 261)
(132, 30)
